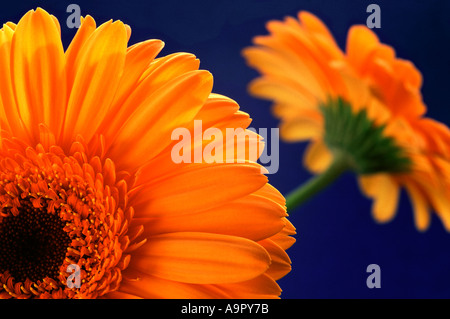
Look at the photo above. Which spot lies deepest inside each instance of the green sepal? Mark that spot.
(363, 143)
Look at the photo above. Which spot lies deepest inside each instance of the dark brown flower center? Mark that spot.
(58, 211)
(33, 243)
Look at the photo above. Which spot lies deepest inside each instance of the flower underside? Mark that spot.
(363, 143)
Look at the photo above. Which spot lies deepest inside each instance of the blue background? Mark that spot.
(337, 237)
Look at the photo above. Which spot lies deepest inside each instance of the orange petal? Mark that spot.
(147, 132)
(46, 137)
(137, 60)
(318, 157)
(152, 287)
(120, 295)
(11, 25)
(283, 238)
(239, 145)
(304, 75)
(262, 287)
(85, 30)
(436, 134)
(97, 70)
(280, 261)
(300, 130)
(283, 92)
(385, 192)
(9, 116)
(251, 217)
(169, 67)
(361, 41)
(200, 188)
(216, 109)
(218, 112)
(439, 201)
(421, 208)
(314, 24)
(38, 72)
(201, 258)
(309, 53)
(270, 192)
(160, 72)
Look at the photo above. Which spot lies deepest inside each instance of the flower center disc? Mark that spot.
(33, 243)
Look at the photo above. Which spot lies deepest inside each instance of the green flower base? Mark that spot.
(357, 144)
(360, 141)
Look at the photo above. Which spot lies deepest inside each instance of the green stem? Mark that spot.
(317, 183)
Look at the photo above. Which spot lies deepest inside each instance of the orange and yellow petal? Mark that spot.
(201, 258)
(102, 56)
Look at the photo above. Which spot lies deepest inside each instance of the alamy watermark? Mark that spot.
(374, 279)
(74, 19)
(374, 19)
(235, 146)
(74, 280)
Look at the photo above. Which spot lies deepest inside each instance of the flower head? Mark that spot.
(87, 181)
(363, 105)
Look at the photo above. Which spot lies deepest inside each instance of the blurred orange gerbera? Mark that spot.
(88, 182)
(361, 109)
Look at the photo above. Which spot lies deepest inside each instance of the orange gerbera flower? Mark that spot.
(363, 106)
(87, 180)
